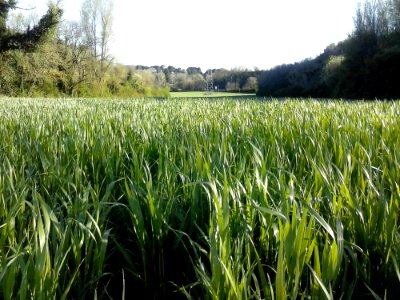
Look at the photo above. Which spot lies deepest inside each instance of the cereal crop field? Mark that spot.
(199, 199)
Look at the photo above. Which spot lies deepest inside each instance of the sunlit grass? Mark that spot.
(203, 94)
(207, 199)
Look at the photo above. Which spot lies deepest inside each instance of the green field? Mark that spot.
(208, 95)
(199, 199)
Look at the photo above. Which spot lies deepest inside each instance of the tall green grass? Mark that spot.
(199, 199)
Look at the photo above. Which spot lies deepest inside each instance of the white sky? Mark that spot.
(221, 33)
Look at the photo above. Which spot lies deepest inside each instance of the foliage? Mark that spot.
(210, 95)
(372, 53)
(31, 37)
(204, 199)
(193, 79)
(304, 79)
(362, 66)
(75, 61)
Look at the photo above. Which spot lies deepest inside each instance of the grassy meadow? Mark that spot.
(202, 94)
(199, 199)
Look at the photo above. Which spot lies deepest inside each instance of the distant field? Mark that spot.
(207, 95)
(203, 198)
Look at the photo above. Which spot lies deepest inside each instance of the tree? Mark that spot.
(251, 84)
(76, 66)
(29, 39)
(97, 18)
(395, 15)
(372, 53)
(363, 66)
(193, 70)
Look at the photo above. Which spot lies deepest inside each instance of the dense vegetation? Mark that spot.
(194, 79)
(209, 199)
(31, 37)
(55, 57)
(363, 66)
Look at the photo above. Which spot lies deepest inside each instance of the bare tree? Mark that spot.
(97, 22)
(77, 61)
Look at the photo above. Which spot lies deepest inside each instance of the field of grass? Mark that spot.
(199, 199)
(208, 95)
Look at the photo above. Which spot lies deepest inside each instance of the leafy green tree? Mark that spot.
(372, 53)
(193, 70)
(364, 66)
(29, 39)
(251, 84)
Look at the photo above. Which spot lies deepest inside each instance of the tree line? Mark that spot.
(55, 57)
(194, 79)
(362, 66)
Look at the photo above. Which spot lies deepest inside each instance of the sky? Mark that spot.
(220, 33)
